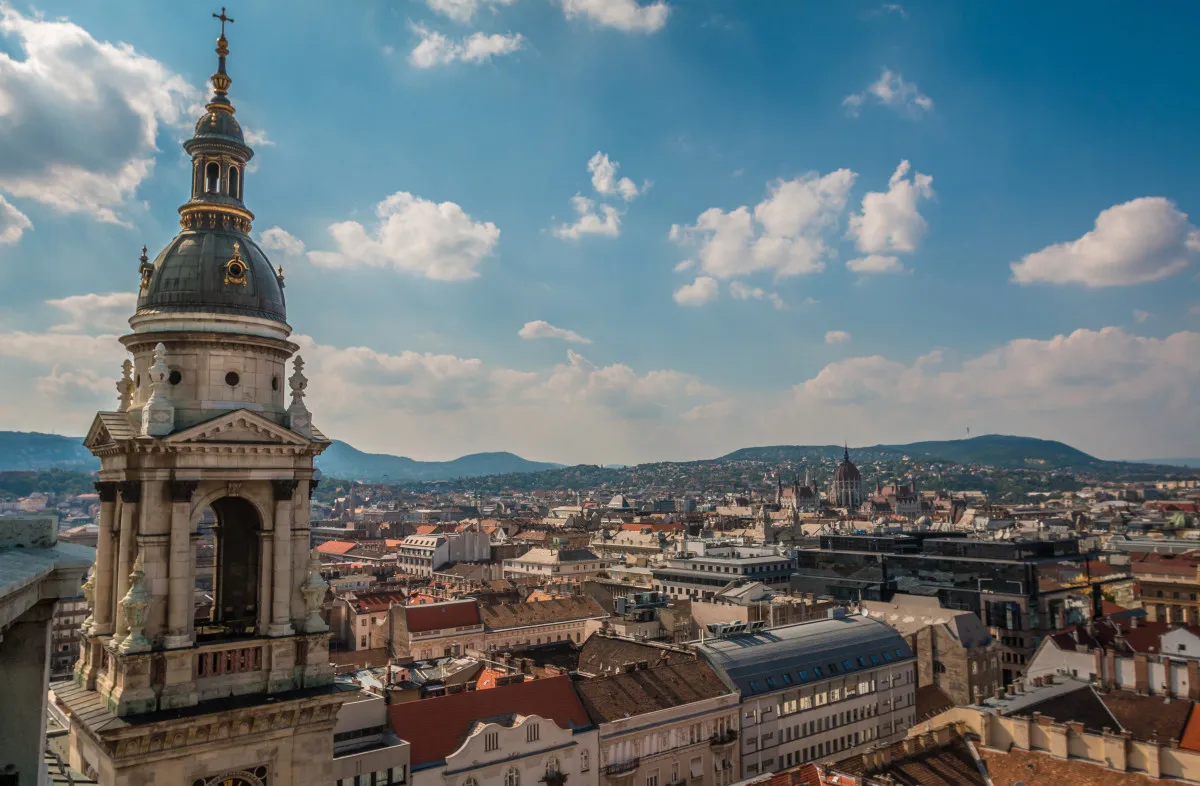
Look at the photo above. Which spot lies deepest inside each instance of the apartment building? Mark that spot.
(815, 689)
(702, 571)
(670, 725)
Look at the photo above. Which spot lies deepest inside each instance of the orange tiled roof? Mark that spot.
(336, 547)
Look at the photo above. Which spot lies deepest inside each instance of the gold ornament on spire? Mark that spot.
(145, 268)
(220, 79)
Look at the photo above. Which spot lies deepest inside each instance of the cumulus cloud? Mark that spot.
(435, 49)
(1142, 240)
(697, 293)
(13, 223)
(785, 234)
(279, 239)
(431, 405)
(593, 219)
(414, 235)
(874, 264)
(837, 337)
(80, 116)
(542, 329)
(598, 218)
(95, 312)
(741, 291)
(892, 91)
(890, 221)
(604, 178)
(628, 16)
(463, 11)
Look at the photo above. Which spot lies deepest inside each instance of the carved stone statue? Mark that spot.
(89, 592)
(313, 589)
(136, 604)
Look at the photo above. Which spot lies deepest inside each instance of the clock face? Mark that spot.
(235, 781)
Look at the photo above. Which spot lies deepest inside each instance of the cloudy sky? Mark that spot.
(629, 230)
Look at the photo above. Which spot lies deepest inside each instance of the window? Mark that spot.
(787, 678)
(551, 767)
(835, 694)
(803, 675)
(818, 672)
(584, 761)
(233, 182)
(847, 664)
(533, 732)
(887, 656)
(833, 669)
(470, 782)
(512, 777)
(212, 180)
(651, 780)
(770, 682)
(899, 653)
(754, 685)
(491, 741)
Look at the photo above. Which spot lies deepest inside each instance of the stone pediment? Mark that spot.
(109, 428)
(240, 426)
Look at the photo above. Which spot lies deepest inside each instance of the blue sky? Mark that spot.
(854, 297)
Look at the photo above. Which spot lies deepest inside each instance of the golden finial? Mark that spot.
(221, 80)
(145, 268)
(235, 268)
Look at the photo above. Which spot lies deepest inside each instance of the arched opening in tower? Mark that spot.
(233, 183)
(212, 177)
(235, 568)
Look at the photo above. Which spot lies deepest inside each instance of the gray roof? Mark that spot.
(189, 275)
(805, 652)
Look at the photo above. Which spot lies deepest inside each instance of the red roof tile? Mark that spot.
(369, 602)
(437, 616)
(336, 547)
(436, 727)
(428, 529)
(1191, 732)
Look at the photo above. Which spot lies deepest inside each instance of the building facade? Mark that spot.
(702, 574)
(669, 724)
(815, 689)
(569, 565)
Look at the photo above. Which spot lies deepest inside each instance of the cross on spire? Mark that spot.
(223, 19)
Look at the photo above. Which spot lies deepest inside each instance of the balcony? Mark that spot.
(627, 767)
(723, 738)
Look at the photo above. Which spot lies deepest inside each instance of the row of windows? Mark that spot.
(388, 777)
(829, 670)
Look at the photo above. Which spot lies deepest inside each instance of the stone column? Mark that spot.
(154, 538)
(102, 611)
(182, 572)
(300, 548)
(281, 585)
(266, 569)
(131, 495)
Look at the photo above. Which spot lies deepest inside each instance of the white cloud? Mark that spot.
(742, 291)
(279, 239)
(605, 181)
(892, 91)
(1140, 316)
(1145, 391)
(784, 234)
(462, 11)
(606, 222)
(80, 116)
(414, 235)
(837, 337)
(625, 15)
(435, 48)
(874, 264)
(697, 293)
(890, 221)
(95, 312)
(1142, 240)
(599, 218)
(13, 223)
(257, 137)
(542, 329)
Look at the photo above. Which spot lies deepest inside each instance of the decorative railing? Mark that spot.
(239, 660)
(621, 767)
(727, 737)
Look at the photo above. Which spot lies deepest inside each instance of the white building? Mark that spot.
(365, 751)
(815, 689)
(423, 554)
(521, 734)
(574, 565)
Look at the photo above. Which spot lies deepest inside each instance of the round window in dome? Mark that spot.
(232, 379)
(175, 378)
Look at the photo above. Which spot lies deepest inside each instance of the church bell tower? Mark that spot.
(226, 680)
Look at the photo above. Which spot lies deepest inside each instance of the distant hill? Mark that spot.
(341, 460)
(22, 451)
(1191, 463)
(995, 450)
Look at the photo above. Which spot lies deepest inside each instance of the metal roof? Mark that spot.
(803, 653)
